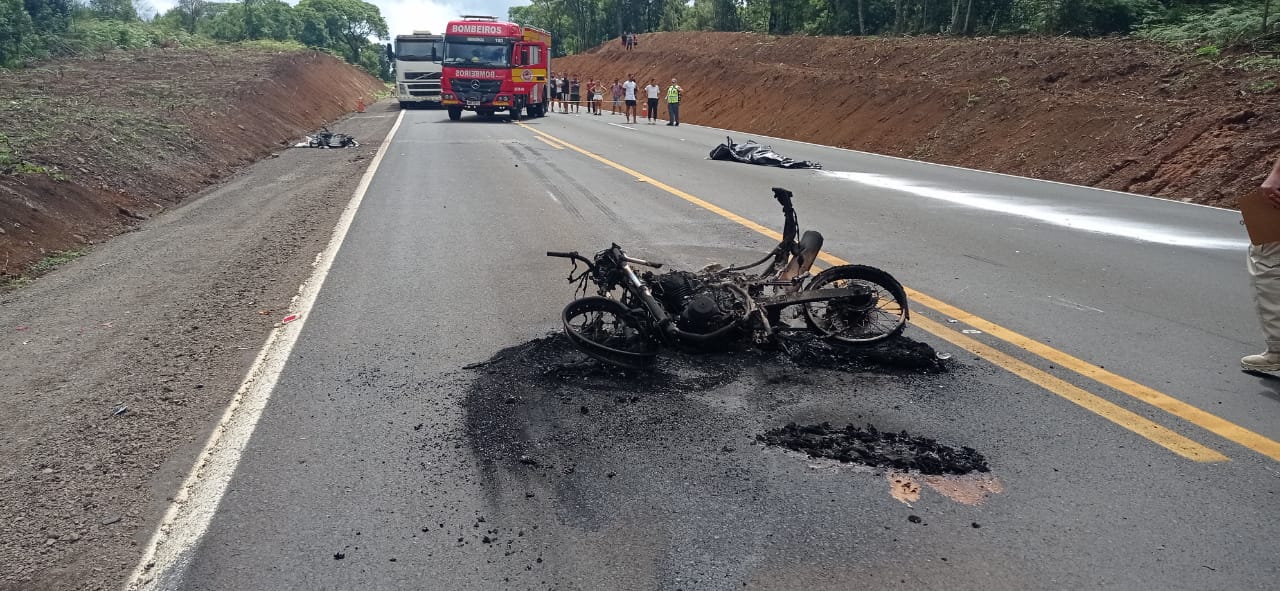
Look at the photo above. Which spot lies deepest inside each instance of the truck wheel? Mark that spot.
(455, 113)
(403, 105)
(514, 112)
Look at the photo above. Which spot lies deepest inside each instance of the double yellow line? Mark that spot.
(1125, 418)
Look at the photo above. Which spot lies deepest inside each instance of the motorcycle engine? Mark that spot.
(703, 313)
(697, 307)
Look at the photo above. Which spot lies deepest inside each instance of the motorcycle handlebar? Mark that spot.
(573, 254)
(783, 196)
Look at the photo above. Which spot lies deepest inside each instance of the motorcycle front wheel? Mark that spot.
(608, 331)
(877, 313)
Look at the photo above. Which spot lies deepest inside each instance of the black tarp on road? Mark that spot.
(753, 153)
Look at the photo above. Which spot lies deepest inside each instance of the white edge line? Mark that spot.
(193, 507)
(1003, 174)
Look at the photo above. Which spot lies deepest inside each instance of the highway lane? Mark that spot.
(371, 447)
(1172, 310)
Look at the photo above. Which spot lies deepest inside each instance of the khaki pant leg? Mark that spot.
(1264, 272)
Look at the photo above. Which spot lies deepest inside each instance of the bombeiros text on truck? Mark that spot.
(491, 66)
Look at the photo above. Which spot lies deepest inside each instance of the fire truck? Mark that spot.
(491, 66)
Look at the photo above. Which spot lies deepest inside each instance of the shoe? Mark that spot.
(1268, 361)
(677, 125)
(670, 123)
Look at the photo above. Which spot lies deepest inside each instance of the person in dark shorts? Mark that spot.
(629, 95)
(575, 93)
(651, 95)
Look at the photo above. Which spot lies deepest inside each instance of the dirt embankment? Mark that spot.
(1116, 114)
(137, 132)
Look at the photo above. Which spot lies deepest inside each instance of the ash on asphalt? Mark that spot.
(871, 447)
(523, 384)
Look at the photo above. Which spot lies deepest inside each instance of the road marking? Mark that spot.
(194, 505)
(1192, 414)
(1056, 215)
(1091, 402)
(548, 142)
(623, 126)
(1208, 421)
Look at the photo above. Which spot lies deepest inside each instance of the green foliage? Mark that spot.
(1082, 17)
(17, 31)
(42, 267)
(12, 163)
(103, 35)
(37, 29)
(1258, 63)
(1221, 26)
(120, 10)
(1209, 51)
(55, 260)
(1262, 86)
(255, 19)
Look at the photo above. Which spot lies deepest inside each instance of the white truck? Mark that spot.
(417, 62)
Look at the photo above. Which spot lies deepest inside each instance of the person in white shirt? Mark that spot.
(651, 93)
(629, 95)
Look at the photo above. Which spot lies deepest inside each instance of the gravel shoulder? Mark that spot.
(117, 365)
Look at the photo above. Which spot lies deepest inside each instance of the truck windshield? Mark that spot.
(495, 55)
(414, 50)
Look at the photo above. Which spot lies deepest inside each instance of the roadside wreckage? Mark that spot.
(634, 314)
(327, 139)
(753, 153)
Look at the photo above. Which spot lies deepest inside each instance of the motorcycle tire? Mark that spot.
(610, 332)
(879, 315)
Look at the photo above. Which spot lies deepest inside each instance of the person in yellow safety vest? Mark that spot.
(673, 103)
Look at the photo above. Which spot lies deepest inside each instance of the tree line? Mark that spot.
(577, 25)
(36, 29)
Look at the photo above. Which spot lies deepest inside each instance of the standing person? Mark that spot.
(629, 95)
(651, 94)
(616, 91)
(575, 93)
(563, 94)
(556, 86)
(1264, 273)
(597, 97)
(673, 103)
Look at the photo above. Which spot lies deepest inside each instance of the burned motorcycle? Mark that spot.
(634, 314)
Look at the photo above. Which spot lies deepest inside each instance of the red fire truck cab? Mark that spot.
(491, 66)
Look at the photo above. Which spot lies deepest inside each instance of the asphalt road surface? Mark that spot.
(1095, 339)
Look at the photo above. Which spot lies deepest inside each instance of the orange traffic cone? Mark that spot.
(360, 105)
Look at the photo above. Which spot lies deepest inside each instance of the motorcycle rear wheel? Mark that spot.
(879, 315)
(608, 331)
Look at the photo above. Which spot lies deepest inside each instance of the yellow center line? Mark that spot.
(1094, 403)
(1192, 414)
(553, 144)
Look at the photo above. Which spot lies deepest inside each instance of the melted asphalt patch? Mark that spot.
(870, 447)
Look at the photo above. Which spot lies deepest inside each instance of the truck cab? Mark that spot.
(417, 60)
